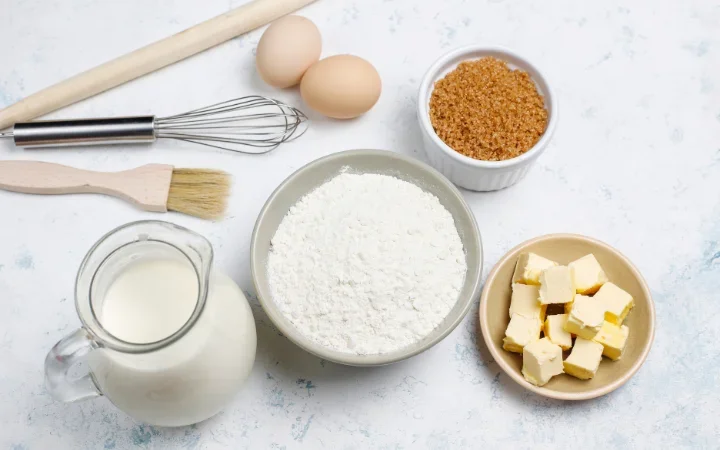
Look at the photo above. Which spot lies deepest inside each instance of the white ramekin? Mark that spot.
(464, 171)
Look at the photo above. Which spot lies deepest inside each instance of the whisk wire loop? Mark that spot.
(251, 122)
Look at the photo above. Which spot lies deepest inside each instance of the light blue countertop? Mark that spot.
(635, 162)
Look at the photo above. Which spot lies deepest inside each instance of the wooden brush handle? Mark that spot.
(150, 58)
(146, 187)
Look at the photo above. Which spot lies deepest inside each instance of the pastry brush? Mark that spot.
(153, 187)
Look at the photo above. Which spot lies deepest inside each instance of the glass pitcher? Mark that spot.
(183, 377)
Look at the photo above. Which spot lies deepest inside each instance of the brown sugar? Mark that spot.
(486, 110)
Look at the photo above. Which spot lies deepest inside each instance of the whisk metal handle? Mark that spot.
(61, 133)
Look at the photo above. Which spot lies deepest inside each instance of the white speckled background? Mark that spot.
(635, 162)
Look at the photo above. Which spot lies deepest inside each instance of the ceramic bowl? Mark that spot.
(564, 248)
(365, 161)
(464, 171)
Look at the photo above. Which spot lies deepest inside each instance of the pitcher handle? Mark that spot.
(70, 350)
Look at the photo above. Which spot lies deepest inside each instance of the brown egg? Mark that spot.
(341, 86)
(286, 50)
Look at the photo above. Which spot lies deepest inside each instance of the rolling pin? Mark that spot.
(149, 58)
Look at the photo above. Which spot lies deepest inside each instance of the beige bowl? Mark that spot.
(564, 248)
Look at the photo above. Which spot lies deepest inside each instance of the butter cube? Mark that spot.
(613, 339)
(588, 276)
(528, 268)
(555, 331)
(616, 302)
(556, 285)
(585, 318)
(584, 359)
(520, 332)
(542, 360)
(525, 301)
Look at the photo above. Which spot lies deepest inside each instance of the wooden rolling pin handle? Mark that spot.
(150, 58)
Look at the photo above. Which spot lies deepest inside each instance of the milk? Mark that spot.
(192, 378)
(150, 300)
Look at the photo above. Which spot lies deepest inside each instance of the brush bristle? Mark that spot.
(199, 192)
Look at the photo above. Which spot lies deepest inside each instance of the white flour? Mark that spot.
(366, 264)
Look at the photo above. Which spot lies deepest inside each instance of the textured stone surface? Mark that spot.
(635, 162)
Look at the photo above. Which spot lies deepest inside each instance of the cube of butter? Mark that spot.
(542, 360)
(588, 276)
(556, 285)
(584, 359)
(555, 331)
(585, 318)
(616, 302)
(520, 332)
(525, 301)
(613, 339)
(528, 268)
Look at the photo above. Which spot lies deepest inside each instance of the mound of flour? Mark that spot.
(366, 264)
